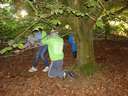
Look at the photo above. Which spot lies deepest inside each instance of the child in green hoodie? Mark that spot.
(55, 49)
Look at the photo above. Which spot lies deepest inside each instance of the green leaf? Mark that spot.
(20, 46)
(11, 42)
(60, 11)
(82, 14)
(79, 14)
(52, 12)
(91, 3)
(99, 24)
(5, 50)
(68, 9)
(14, 45)
(73, 11)
(55, 21)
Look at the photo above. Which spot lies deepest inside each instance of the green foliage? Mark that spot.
(11, 42)
(20, 46)
(57, 9)
(99, 27)
(55, 22)
(6, 49)
(12, 27)
(12, 46)
(120, 28)
(29, 3)
(99, 24)
(91, 3)
(8, 1)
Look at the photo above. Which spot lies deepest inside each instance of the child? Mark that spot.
(38, 36)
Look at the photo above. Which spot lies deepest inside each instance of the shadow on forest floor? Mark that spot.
(110, 80)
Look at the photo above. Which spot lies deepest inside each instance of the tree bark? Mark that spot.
(84, 33)
(85, 48)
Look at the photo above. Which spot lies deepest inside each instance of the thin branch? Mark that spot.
(26, 29)
(120, 10)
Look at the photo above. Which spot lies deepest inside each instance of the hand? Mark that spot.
(17, 51)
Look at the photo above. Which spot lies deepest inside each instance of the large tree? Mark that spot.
(83, 26)
(82, 20)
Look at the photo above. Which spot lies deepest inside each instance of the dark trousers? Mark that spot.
(41, 55)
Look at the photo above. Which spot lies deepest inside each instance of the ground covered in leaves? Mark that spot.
(111, 79)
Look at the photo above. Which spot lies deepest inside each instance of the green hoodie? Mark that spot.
(55, 47)
(44, 37)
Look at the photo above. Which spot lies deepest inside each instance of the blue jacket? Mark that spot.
(72, 43)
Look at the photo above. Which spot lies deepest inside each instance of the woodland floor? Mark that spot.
(109, 80)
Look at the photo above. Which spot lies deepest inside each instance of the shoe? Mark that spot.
(33, 69)
(64, 75)
(71, 75)
(45, 69)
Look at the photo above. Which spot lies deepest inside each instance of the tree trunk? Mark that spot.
(85, 48)
(83, 42)
(85, 35)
